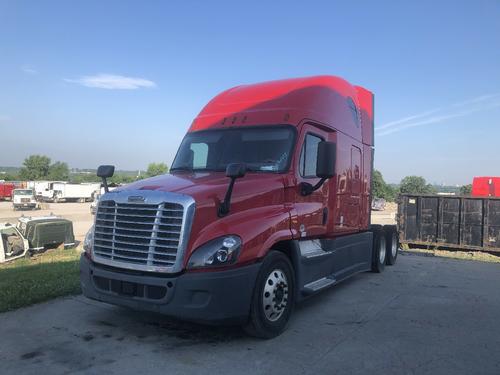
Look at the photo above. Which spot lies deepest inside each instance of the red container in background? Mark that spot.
(6, 190)
(486, 187)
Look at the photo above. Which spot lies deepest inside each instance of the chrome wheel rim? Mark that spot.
(381, 253)
(275, 295)
(394, 245)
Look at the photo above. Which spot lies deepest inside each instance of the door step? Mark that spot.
(317, 285)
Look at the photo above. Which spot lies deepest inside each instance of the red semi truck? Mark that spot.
(267, 203)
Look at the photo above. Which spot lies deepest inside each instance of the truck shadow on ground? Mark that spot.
(151, 327)
(123, 324)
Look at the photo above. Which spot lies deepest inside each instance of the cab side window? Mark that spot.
(308, 156)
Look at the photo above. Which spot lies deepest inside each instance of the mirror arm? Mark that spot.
(224, 206)
(105, 183)
(307, 189)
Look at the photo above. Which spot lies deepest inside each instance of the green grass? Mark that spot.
(24, 282)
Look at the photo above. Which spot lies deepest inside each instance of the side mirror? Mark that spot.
(105, 171)
(325, 166)
(236, 170)
(327, 153)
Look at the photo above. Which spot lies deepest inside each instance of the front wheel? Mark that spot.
(273, 297)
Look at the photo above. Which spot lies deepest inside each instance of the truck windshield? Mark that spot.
(23, 192)
(260, 149)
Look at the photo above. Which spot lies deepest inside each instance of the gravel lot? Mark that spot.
(425, 315)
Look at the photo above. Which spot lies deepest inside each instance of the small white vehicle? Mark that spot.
(24, 199)
(12, 243)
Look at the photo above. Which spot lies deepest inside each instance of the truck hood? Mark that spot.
(209, 188)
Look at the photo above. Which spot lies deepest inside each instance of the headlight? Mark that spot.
(221, 251)
(88, 241)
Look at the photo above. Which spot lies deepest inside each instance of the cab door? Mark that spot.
(312, 210)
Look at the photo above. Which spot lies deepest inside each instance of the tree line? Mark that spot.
(408, 185)
(40, 167)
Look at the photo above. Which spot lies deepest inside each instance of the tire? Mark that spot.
(379, 251)
(269, 317)
(392, 246)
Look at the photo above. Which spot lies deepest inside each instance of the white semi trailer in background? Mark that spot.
(64, 191)
(43, 190)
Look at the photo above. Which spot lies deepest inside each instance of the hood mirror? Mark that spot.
(105, 171)
(233, 171)
(236, 170)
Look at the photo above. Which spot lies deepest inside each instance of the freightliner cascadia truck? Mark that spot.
(267, 202)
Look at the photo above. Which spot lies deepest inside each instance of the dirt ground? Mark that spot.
(78, 213)
(387, 216)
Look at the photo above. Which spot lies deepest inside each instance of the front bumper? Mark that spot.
(208, 297)
(25, 205)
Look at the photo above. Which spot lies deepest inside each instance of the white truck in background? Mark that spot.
(64, 191)
(24, 199)
(59, 191)
(43, 190)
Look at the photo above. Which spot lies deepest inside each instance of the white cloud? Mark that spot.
(4, 118)
(408, 118)
(28, 69)
(113, 82)
(478, 104)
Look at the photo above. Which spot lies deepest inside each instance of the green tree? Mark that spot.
(466, 189)
(121, 178)
(381, 189)
(9, 177)
(415, 185)
(35, 167)
(155, 169)
(58, 171)
(78, 178)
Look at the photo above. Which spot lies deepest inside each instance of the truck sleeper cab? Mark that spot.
(267, 203)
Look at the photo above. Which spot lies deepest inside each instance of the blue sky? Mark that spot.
(94, 82)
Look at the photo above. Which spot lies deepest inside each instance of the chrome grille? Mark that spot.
(134, 235)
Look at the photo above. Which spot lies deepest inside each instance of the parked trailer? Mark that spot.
(63, 191)
(459, 222)
(6, 191)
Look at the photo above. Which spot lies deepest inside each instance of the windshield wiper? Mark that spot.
(181, 168)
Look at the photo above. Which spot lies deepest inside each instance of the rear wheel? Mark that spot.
(392, 245)
(379, 251)
(273, 297)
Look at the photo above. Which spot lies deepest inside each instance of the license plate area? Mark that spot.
(129, 289)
